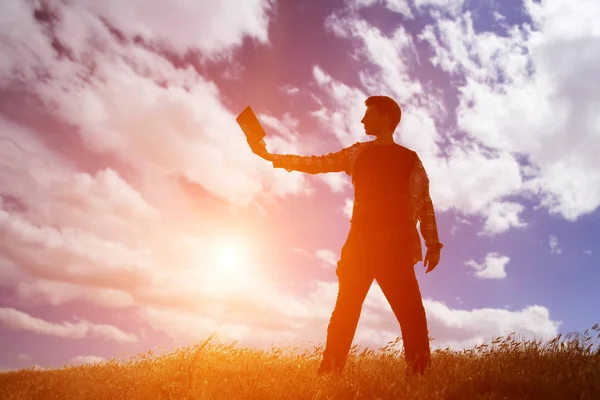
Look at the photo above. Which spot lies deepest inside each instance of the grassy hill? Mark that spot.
(563, 368)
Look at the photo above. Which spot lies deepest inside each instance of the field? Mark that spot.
(506, 368)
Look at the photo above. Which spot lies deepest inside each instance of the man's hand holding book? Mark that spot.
(254, 132)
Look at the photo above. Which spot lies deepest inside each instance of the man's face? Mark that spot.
(373, 121)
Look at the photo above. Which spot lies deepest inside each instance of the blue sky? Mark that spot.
(133, 214)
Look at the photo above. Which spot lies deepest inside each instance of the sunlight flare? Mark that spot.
(231, 256)
(231, 267)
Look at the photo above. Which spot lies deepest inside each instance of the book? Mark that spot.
(250, 126)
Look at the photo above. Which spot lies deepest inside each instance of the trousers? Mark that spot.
(365, 257)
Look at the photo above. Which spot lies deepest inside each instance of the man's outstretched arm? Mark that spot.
(333, 162)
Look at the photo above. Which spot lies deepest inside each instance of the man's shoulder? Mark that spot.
(405, 151)
(357, 146)
(362, 144)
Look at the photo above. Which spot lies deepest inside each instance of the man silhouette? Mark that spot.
(391, 193)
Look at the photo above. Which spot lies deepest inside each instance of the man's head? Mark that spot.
(382, 116)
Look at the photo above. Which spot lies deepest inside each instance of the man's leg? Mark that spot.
(401, 288)
(354, 283)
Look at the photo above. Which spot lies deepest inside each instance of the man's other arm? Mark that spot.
(421, 209)
(429, 225)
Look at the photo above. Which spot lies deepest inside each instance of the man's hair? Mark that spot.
(386, 105)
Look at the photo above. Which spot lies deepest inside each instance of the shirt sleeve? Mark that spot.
(332, 162)
(421, 206)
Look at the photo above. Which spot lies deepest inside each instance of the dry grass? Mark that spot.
(564, 368)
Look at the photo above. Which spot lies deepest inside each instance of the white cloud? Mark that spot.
(300, 251)
(458, 329)
(209, 27)
(87, 360)
(362, 3)
(70, 197)
(181, 130)
(493, 267)
(212, 29)
(327, 256)
(472, 182)
(453, 7)
(18, 320)
(10, 273)
(400, 6)
(555, 17)
(403, 7)
(321, 77)
(290, 90)
(463, 221)
(391, 55)
(20, 58)
(337, 182)
(498, 17)
(554, 245)
(71, 254)
(56, 293)
(588, 252)
(287, 126)
(348, 207)
(502, 216)
(520, 91)
(190, 134)
(23, 356)
(348, 108)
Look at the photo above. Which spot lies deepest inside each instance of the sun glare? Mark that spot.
(231, 265)
(227, 265)
(230, 256)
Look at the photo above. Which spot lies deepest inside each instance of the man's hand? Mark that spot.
(432, 258)
(260, 149)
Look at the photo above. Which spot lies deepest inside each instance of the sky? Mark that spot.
(133, 215)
